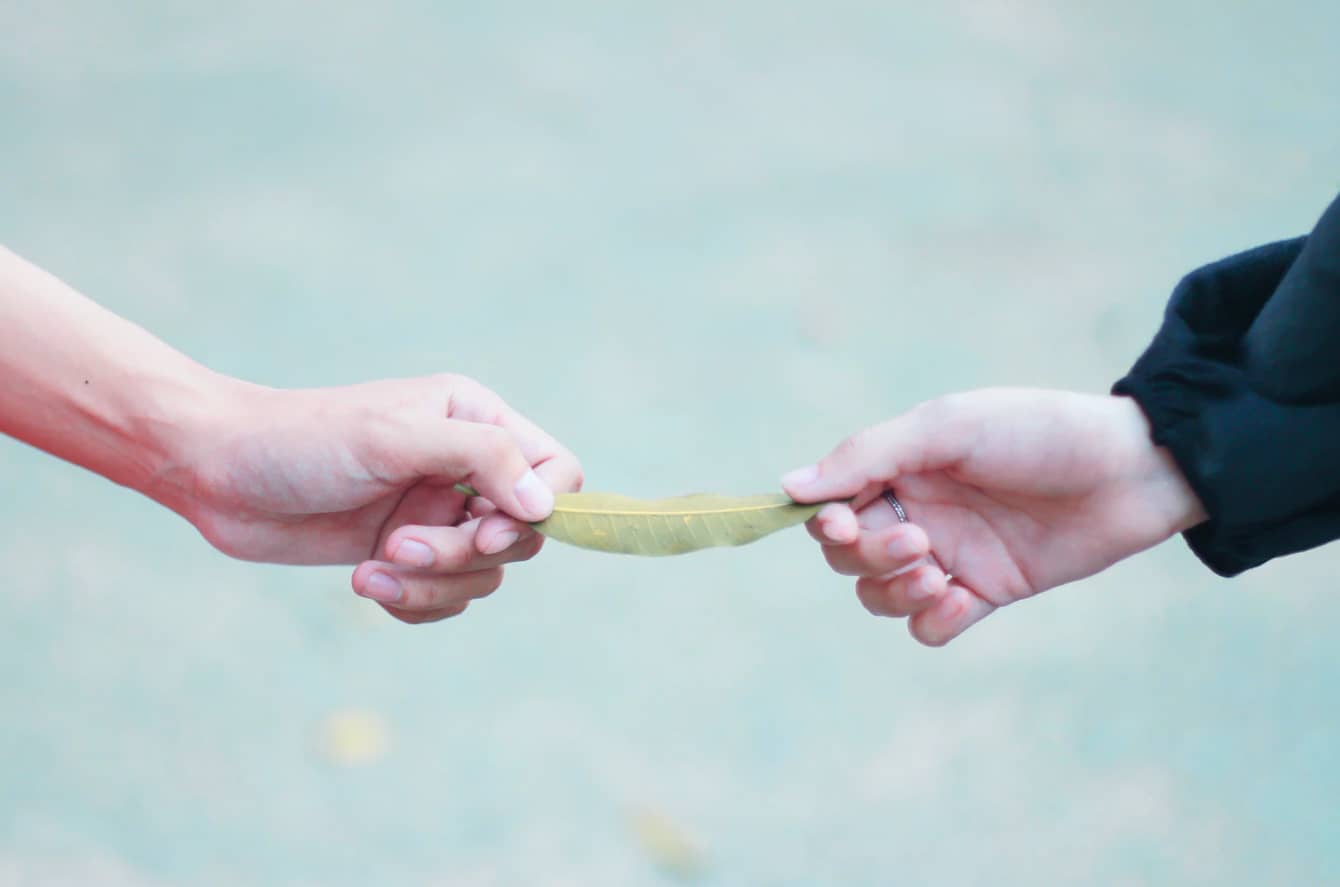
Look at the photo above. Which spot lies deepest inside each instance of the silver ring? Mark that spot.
(896, 506)
(902, 519)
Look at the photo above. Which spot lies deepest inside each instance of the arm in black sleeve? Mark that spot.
(1263, 458)
(1290, 351)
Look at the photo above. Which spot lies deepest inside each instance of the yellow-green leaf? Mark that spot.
(610, 522)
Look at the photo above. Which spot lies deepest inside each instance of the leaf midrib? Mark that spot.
(564, 509)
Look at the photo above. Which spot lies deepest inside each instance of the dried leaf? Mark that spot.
(610, 522)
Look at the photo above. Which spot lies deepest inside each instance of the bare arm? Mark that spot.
(95, 389)
(362, 474)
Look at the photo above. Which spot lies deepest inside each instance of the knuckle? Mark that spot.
(489, 435)
(455, 384)
(456, 559)
(424, 617)
(850, 448)
(493, 580)
(469, 399)
(450, 380)
(496, 443)
(938, 409)
(415, 599)
(422, 593)
(955, 414)
(528, 549)
(382, 430)
(409, 617)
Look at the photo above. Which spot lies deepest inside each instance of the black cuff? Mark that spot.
(1267, 473)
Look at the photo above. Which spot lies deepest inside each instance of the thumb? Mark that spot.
(925, 438)
(488, 459)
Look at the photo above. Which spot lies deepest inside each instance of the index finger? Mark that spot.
(473, 402)
(924, 438)
(553, 462)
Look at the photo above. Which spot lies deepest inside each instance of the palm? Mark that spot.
(1045, 497)
(1005, 544)
(1011, 492)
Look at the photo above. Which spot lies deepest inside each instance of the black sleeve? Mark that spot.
(1253, 419)
(1290, 352)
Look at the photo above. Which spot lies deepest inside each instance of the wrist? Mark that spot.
(96, 390)
(1160, 486)
(169, 427)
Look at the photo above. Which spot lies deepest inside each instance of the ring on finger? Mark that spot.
(896, 506)
(902, 519)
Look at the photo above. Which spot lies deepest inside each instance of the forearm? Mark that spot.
(94, 389)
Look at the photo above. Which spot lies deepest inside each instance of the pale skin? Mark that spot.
(360, 475)
(1008, 493)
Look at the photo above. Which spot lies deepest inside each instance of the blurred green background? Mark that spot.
(700, 243)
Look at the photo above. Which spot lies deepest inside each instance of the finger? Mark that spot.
(498, 531)
(419, 617)
(934, 435)
(877, 514)
(954, 613)
(473, 402)
(560, 468)
(478, 506)
(484, 456)
(906, 594)
(408, 590)
(835, 524)
(453, 549)
(552, 462)
(879, 552)
(425, 504)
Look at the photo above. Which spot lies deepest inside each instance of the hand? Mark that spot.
(364, 475)
(1008, 493)
(342, 475)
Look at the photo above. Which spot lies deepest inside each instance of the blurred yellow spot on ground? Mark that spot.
(354, 737)
(667, 845)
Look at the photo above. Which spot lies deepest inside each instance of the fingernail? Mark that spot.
(902, 546)
(501, 542)
(534, 495)
(801, 477)
(413, 553)
(382, 587)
